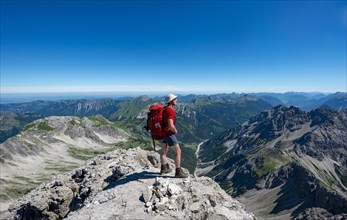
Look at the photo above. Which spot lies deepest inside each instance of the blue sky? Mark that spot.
(173, 46)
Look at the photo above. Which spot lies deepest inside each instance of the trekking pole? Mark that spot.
(153, 141)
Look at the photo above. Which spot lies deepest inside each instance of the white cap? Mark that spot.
(170, 97)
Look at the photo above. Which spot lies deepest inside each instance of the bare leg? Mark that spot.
(177, 157)
(163, 153)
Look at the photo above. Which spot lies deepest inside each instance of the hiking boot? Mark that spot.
(165, 169)
(180, 173)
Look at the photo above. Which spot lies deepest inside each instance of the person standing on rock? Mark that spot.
(170, 140)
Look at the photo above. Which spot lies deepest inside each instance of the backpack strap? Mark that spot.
(166, 107)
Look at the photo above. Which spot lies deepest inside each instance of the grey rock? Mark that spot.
(173, 189)
(147, 194)
(213, 200)
(153, 160)
(195, 207)
(160, 206)
(76, 195)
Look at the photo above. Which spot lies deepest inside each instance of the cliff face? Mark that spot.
(126, 185)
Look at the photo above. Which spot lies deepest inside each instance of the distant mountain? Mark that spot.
(297, 160)
(104, 107)
(191, 97)
(338, 101)
(271, 100)
(12, 123)
(209, 116)
(306, 101)
(295, 98)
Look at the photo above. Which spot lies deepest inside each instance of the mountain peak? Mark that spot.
(325, 110)
(247, 97)
(323, 115)
(141, 99)
(279, 118)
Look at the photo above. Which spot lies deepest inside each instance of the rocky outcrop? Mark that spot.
(319, 213)
(197, 198)
(126, 185)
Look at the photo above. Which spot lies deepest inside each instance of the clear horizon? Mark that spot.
(142, 90)
(7, 98)
(173, 46)
(159, 92)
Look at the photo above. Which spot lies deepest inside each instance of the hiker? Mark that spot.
(170, 140)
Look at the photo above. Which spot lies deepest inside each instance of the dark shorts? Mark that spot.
(171, 140)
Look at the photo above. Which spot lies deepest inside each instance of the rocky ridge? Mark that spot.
(49, 146)
(105, 107)
(126, 185)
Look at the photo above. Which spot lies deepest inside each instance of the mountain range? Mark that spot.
(128, 110)
(295, 159)
(117, 110)
(307, 101)
(24, 113)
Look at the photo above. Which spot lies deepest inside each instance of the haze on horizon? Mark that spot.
(173, 46)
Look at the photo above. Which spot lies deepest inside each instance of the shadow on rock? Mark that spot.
(289, 198)
(27, 211)
(126, 179)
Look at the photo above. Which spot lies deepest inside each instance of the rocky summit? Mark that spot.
(125, 184)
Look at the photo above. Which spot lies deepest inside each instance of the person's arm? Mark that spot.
(172, 126)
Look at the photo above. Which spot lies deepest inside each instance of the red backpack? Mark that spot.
(154, 122)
